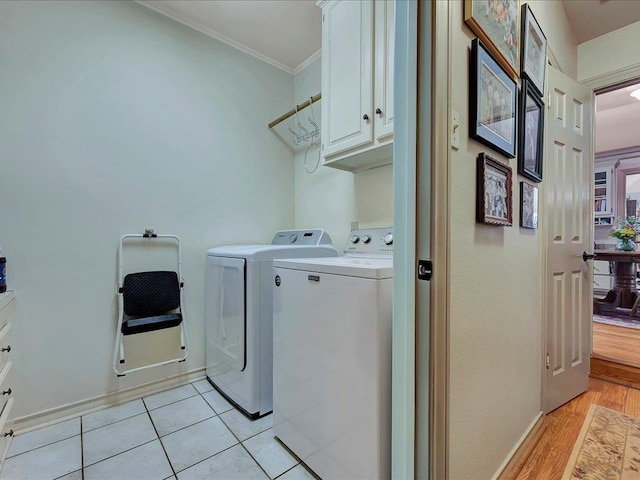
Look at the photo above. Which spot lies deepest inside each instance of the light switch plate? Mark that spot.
(455, 130)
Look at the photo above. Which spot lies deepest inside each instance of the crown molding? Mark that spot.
(307, 62)
(159, 7)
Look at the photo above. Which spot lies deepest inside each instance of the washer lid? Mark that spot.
(262, 253)
(375, 268)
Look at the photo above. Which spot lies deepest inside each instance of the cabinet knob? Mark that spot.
(8, 434)
(378, 111)
(7, 392)
(365, 117)
(6, 349)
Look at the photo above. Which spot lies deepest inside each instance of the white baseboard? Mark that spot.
(521, 450)
(72, 410)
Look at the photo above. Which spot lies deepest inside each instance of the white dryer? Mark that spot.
(332, 358)
(238, 315)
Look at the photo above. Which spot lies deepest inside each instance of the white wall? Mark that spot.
(615, 51)
(495, 298)
(114, 119)
(330, 198)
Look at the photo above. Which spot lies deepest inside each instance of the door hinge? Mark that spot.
(323, 17)
(548, 361)
(549, 101)
(425, 269)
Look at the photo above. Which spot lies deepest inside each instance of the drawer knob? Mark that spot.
(8, 434)
(6, 349)
(7, 392)
(365, 117)
(378, 111)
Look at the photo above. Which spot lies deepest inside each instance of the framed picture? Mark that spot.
(530, 133)
(528, 205)
(497, 24)
(492, 109)
(493, 192)
(534, 50)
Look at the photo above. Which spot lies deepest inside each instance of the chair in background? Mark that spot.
(147, 302)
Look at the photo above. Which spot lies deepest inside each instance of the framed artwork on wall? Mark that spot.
(528, 205)
(493, 101)
(530, 128)
(534, 50)
(497, 24)
(493, 192)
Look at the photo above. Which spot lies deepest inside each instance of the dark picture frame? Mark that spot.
(494, 192)
(530, 132)
(534, 50)
(493, 102)
(528, 205)
(497, 24)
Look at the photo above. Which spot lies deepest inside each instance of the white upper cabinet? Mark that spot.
(357, 83)
(384, 34)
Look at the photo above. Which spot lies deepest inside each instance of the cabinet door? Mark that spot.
(347, 75)
(384, 34)
(603, 198)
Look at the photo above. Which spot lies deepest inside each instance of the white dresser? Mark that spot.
(6, 363)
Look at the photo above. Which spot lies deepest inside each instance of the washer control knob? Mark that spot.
(354, 239)
(388, 239)
(366, 239)
(293, 238)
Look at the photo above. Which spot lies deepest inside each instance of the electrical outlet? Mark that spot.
(354, 225)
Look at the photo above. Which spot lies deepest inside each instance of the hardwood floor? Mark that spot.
(615, 372)
(550, 456)
(618, 344)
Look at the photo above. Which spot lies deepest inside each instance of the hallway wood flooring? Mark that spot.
(562, 426)
(618, 344)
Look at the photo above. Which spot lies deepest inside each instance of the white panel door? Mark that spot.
(347, 76)
(568, 282)
(384, 33)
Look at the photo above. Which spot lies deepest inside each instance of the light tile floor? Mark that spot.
(187, 433)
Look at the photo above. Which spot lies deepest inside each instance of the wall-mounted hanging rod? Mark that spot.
(293, 111)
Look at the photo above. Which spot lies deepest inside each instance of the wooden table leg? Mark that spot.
(625, 285)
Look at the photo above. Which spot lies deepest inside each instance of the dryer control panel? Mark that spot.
(370, 242)
(302, 237)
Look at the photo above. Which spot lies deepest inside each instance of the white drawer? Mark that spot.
(6, 429)
(6, 383)
(6, 336)
(5, 313)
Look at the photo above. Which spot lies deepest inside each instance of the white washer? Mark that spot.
(238, 315)
(332, 358)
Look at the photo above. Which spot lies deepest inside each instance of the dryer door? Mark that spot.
(225, 315)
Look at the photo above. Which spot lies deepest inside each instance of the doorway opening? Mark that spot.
(616, 284)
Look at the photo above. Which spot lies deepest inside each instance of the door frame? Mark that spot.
(595, 84)
(403, 376)
(421, 158)
(439, 309)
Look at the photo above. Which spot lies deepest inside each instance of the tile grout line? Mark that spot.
(173, 470)
(43, 446)
(217, 453)
(242, 444)
(120, 453)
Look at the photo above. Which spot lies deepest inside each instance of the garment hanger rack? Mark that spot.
(293, 111)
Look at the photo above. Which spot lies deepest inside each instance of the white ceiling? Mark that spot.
(284, 33)
(592, 18)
